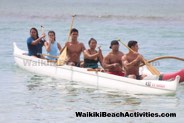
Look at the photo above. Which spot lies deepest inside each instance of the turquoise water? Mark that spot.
(158, 26)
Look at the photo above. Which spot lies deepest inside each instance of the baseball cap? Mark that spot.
(114, 42)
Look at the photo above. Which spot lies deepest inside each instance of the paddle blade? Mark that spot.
(63, 57)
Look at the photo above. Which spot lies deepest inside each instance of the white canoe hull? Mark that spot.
(99, 79)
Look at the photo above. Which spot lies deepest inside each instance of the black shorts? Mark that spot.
(138, 77)
(39, 56)
(77, 64)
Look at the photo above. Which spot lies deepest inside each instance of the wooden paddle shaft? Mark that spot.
(43, 31)
(71, 27)
(49, 55)
(63, 55)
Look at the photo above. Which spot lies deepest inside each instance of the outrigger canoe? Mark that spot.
(98, 79)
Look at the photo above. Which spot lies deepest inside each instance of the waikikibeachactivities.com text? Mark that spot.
(123, 114)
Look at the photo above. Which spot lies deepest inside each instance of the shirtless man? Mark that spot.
(131, 61)
(112, 61)
(74, 49)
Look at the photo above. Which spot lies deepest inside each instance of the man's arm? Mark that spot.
(142, 59)
(106, 63)
(82, 47)
(127, 64)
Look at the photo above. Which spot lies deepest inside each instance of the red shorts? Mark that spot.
(117, 73)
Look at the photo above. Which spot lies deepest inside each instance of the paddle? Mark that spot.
(42, 30)
(153, 70)
(63, 56)
(50, 55)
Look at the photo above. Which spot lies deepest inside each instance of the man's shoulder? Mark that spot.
(80, 43)
(67, 43)
(108, 54)
(121, 53)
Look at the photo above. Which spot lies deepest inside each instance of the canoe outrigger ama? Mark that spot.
(99, 79)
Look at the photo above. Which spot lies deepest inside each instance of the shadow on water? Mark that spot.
(76, 92)
(35, 81)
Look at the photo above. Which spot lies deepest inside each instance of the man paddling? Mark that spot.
(74, 49)
(35, 43)
(132, 61)
(112, 61)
